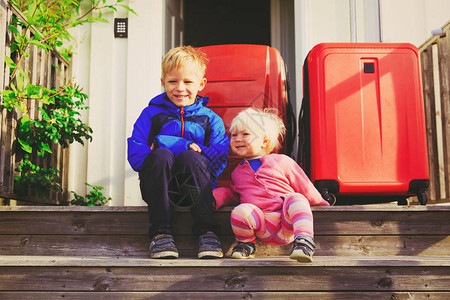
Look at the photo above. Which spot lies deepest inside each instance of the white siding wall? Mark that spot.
(120, 76)
(412, 20)
(145, 40)
(80, 70)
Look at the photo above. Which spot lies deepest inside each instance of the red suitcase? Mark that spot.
(241, 76)
(363, 122)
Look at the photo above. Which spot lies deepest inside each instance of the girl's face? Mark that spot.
(248, 145)
(182, 85)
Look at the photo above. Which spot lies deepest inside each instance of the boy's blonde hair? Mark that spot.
(178, 57)
(260, 123)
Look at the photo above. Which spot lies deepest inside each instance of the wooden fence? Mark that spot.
(435, 58)
(48, 69)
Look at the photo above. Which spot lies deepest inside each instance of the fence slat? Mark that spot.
(3, 18)
(430, 119)
(6, 160)
(444, 80)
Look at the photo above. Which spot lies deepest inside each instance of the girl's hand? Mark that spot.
(195, 147)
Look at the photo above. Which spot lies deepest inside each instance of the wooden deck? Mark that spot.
(364, 252)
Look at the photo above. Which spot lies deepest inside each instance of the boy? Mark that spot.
(179, 147)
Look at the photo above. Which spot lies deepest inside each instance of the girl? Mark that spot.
(273, 191)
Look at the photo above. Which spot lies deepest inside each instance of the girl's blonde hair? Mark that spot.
(261, 123)
(178, 57)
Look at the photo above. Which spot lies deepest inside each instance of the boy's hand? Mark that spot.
(195, 147)
(152, 147)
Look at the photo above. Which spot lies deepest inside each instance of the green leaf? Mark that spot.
(25, 118)
(10, 62)
(40, 45)
(45, 99)
(14, 47)
(20, 83)
(102, 20)
(25, 146)
(129, 9)
(24, 74)
(22, 106)
(34, 90)
(9, 94)
(112, 7)
(56, 67)
(40, 153)
(13, 29)
(45, 147)
(37, 36)
(19, 39)
(31, 16)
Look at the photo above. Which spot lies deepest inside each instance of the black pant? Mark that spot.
(185, 177)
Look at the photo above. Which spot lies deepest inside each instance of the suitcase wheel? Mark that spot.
(422, 196)
(330, 198)
(420, 188)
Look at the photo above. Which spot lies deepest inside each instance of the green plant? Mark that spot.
(94, 198)
(60, 122)
(39, 180)
(47, 27)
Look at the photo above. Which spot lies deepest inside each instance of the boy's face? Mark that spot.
(248, 145)
(183, 85)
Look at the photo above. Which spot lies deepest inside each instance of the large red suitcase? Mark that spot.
(363, 122)
(241, 76)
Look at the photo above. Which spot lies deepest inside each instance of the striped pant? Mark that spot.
(274, 228)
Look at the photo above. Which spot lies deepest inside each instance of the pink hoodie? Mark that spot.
(278, 176)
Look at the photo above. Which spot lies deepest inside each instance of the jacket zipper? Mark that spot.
(182, 121)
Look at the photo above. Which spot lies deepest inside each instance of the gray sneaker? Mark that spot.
(163, 246)
(303, 249)
(243, 250)
(209, 246)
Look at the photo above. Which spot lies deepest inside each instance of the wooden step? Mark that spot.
(326, 276)
(322, 295)
(364, 252)
(122, 231)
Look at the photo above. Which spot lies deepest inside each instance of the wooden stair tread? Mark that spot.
(272, 261)
(371, 230)
(94, 209)
(221, 295)
(354, 220)
(276, 274)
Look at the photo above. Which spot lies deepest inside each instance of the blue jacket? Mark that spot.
(162, 124)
